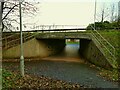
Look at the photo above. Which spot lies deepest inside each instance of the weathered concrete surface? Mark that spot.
(64, 35)
(91, 52)
(35, 48)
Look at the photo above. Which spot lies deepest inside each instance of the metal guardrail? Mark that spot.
(105, 47)
(50, 27)
(52, 30)
(7, 44)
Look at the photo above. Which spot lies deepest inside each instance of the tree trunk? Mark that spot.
(102, 17)
(2, 6)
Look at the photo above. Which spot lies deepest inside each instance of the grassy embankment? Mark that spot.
(113, 38)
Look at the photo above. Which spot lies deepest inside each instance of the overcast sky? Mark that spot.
(73, 12)
(72, 0)
(66, 12)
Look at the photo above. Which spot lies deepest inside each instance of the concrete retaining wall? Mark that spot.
(39, 48)
(90, 51)
(35, 48)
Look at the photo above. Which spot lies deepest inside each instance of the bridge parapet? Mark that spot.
(65, 35)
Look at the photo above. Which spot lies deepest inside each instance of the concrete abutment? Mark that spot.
(44, 47)
(35, 48)
(91, 52)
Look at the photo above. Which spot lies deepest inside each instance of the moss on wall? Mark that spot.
(91, 52)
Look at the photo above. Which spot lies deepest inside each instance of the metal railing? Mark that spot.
(105, 47)
(50, 27)
(7, 42)
(11, 43)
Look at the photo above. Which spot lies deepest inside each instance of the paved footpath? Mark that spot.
(73, 72)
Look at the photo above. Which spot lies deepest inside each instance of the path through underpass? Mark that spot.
(66, 70)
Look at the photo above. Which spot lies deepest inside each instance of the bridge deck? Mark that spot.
(64, 35)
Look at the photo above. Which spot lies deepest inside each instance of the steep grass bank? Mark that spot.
(113, 37)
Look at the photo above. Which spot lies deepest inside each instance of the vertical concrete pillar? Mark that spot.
(84, 44)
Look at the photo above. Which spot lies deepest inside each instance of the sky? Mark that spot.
(66, 12)
(72, 0)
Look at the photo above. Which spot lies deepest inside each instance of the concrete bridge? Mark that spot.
(65, 35)
(46, 43)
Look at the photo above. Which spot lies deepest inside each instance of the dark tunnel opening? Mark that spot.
(71, 51)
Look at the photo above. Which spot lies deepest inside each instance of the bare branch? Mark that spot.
(11, 9)
(9, 12)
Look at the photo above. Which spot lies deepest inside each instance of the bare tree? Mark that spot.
(2, 5)
(119, 12)
(10, 12)
(112, 12)
(103, 13)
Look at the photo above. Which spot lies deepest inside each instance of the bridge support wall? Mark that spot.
(35, 48)
(91, 52)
